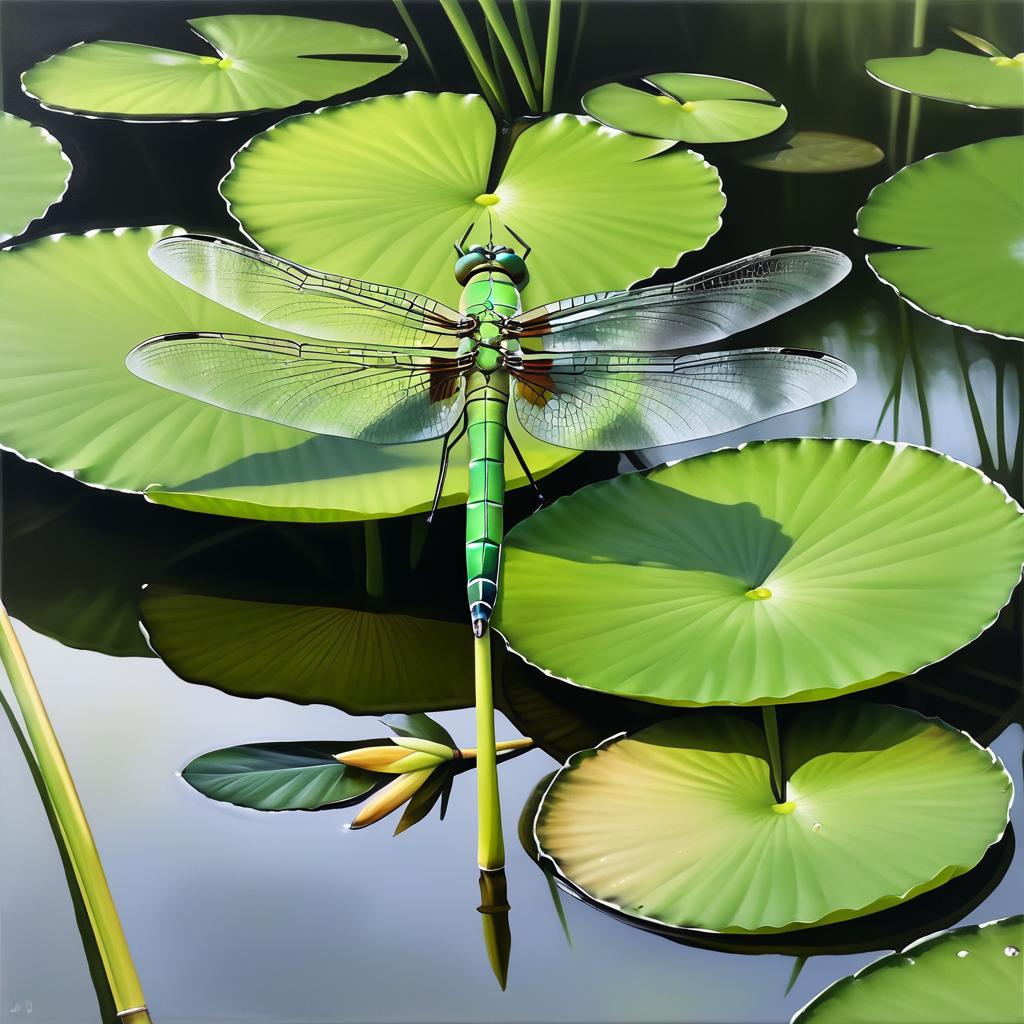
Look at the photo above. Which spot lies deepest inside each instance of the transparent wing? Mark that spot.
(700, 310)
(375, 395)
(285, 295)
(618, 401)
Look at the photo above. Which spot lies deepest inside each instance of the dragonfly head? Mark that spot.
(479, 258)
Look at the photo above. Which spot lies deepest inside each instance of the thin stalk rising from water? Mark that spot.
(486, 78)
(74, 827)
(771, 732)
(529, 43)
(508, 44)
(551, 54)
(410, 27)
(490, 844)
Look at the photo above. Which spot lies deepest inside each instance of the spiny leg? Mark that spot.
(526, 469)
(445, 452)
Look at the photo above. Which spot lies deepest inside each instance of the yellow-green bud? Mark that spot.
(392, 796)
(392, 759)
(426, 746)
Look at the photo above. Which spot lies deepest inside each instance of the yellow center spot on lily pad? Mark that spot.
(1008, 62)
(759, 594)
(487, 199)
(787, 808)
(689, 106)
(221, 62)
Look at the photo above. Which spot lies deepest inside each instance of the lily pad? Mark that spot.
(677, 824)
(301, 776)
(255, 62)
(687, 108)
(366, 663)
(68, 401)
(957, 219)
(972, 78)
(789, 570)
(381, 188)
(34, 174)
(818, 153)
(966, 976)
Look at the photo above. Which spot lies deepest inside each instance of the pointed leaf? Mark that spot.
(301, 776)
(420, 726)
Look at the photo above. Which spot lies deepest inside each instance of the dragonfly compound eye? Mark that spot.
(465, 265)
(514, 266)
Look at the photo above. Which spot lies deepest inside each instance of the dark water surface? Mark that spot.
(238, 915)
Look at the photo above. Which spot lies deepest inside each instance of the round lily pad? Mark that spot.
(957, 219)
(969, 975)
(818, 153)
(787, 570)
(366, 663)
(68, 401)
(687, 108)
(34, 174)
(381, 188)
(677, 824)
(254, 62)
(972, 78)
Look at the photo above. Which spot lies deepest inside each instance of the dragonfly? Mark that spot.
(608, 371)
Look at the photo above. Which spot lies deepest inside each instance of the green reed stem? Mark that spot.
(414, 34)
(581, 21)
(489, 84)
(74, 827)
(490, 844)
(504, 36)
(551, 54)
(529, 43)
(987, 462)
(374, 559)
(914, 118)
(771, 732)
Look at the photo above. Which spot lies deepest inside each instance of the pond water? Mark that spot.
(240, 915)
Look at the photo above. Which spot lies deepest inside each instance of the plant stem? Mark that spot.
(529, 43)
(914, 117)
(551, 54)
(504, 36)
(489, 84)
(410, 26)
(771, 732)
(984, 451)
(74, 827)
(521, 744)
(581, 21)
(490, 845)
(374, 562)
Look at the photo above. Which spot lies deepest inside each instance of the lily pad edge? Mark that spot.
(49, 138)
(852, 912)
(855, 688)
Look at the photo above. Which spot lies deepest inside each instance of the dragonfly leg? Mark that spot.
(449, 443)
(526, 248)
(526, 468)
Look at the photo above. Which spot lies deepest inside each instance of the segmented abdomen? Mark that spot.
(486, 409)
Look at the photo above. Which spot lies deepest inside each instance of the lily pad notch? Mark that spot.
(259, 62)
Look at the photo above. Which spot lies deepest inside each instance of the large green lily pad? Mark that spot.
(787, 570)
(818, 153)
(255, 62)
(68, 401)
(975, 79)
(687, 108)
(34, 174)
(677, 824)
(969, 975)
(300, 776)
(363, 662)
(957, 218)
(381, 188)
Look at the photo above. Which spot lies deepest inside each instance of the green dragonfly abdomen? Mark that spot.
(490, 297)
